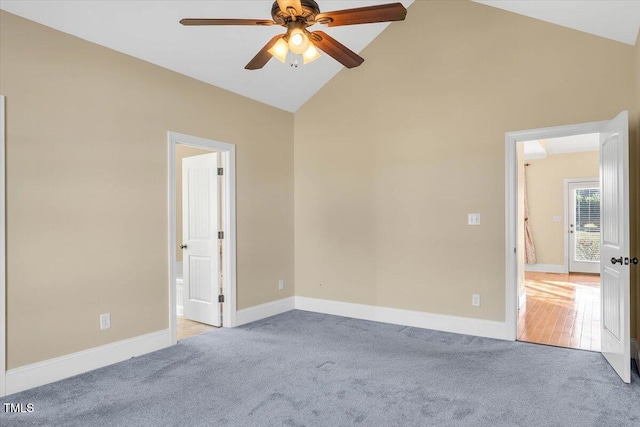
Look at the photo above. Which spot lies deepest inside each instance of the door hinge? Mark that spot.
(220, 235)
(220, 171)
(220, 298)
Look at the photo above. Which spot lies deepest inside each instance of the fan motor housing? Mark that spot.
(309, 11)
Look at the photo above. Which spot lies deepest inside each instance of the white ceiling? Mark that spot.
(539, 149)
(613, 19)
(149, 29)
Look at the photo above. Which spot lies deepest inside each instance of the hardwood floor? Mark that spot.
(188, 328)
(561, 310)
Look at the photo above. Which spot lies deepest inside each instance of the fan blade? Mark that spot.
(295, 4)
(198, 21)
(261, 59)
(335, 49)
(364, 15)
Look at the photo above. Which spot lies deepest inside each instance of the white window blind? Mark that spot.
(587, 227)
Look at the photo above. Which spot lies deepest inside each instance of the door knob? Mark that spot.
(183, 246)
(616, 260)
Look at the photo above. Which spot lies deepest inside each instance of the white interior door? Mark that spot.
(200, 222)
(614, 185)
(584, 227)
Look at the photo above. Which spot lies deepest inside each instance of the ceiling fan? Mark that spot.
(296, 16)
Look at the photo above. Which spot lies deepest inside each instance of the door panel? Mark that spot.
(201, 260)
(200, 279)
(611, 295)
(615, 304)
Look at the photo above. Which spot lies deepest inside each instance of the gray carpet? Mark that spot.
(310, 369)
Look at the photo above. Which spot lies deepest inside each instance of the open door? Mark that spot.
(614, 258)
(200, 225)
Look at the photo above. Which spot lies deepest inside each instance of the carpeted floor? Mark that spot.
(310, 369)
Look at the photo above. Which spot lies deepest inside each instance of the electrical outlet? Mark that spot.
(475, 300)
(280, 284)
(474, 219)
(105, 321)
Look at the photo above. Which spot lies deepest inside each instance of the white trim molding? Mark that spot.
(417, 319)
(48, 371)
(3, 254)
(228, 153)
(546, 268)
(522, 299)
(262, 311)
(511, 206)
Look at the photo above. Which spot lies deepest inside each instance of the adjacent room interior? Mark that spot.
(559, 192)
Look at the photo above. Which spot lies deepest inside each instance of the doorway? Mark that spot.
(202, 254)
(614, 306)
(559, 286)
(199, 218)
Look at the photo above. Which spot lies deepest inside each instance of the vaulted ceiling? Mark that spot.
(150, 30)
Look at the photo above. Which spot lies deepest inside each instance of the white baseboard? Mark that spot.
(51, 370)
(179, 297)
(418, 319)
(546, 268)
(522, 299)
(262, 311)
(48, 371)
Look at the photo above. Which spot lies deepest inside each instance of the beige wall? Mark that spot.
(546, 199)
(87, 189)
(182, 151)
(392, 156)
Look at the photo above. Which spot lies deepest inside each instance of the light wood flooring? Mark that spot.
(561, 310)
(188, 328)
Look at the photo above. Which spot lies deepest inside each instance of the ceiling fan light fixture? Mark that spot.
(296, 16)
(311, 54)
(298, 41)
(280, 50)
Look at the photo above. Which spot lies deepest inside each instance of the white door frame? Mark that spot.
(228, 154)
(568, 214)
(3, 256)
(511, 206)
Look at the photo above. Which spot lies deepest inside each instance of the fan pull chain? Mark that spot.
(293, 60)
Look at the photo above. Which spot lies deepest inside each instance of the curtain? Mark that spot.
(529, 247)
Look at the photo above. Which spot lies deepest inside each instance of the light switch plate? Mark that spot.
(280, 284)
(474, 219)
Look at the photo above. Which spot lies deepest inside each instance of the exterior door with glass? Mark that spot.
(584, 226)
